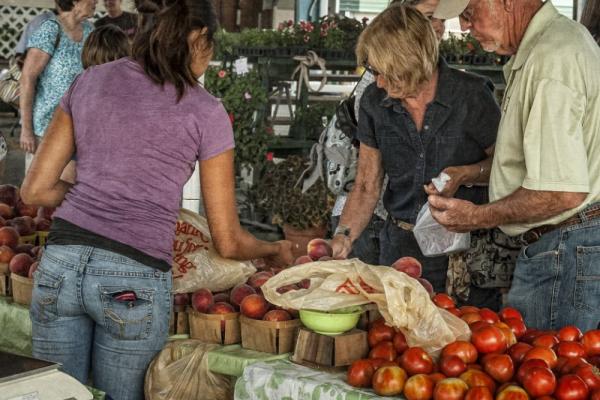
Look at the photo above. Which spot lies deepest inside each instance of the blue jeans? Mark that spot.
(557, 279)
(77, 322)
(366, 247)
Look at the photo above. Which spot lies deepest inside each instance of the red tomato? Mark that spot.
(471, 317)
(454, 311)
(385, 350)
(469, 309)
(389, 381)
(500, 367)
(442, 300)
(419, 387)
(379, 333)
(475, 378)
(546, 340)
(489, 316)
(571, 387)
(489, 339)
(452, 366)
(400, 342)
(527, 365)
(570, 349)
(377, 362)
(466, 351)
(479, 393)
(595, 395)
(377, 322)
(437, 376)
(542, 353)
(517, 326)
(568, 365)
(517, 351)
(530, 334)
(591, 342)
(512, 392)
(509, 312)
(478, 325)
(589, 374)
(415, 360)
(569, 333)
(360, 373)
(450, 389)
(539, 381)
(508, 333)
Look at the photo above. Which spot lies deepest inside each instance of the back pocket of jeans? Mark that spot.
(44, 301)
(587, 285)
(127, 320)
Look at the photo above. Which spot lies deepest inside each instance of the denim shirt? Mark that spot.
(459, 124)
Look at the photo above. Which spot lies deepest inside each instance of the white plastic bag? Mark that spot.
(196, 263)
(433, 238)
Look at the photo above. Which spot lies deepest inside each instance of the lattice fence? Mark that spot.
(13, 19)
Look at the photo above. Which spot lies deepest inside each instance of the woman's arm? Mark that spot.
(42, 185)
(230, 239)
(35, 63)
(361, 203)
(473, 174)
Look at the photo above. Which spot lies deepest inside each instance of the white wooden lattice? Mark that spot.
(13, 19)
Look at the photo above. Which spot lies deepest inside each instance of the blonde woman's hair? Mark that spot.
(401, 45)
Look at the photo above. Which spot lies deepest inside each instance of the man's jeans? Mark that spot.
(557, 279)
(366, 247)
(78, 322)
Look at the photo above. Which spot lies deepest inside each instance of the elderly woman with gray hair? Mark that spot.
(418, 119)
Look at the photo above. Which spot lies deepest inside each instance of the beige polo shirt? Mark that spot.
(549, 135)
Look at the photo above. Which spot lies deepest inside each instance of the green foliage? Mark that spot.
(242, 97)
(277, 193)
(308, 121)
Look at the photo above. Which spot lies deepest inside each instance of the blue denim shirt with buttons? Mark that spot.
(459, 124)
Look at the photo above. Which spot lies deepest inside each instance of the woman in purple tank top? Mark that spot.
(101, 297)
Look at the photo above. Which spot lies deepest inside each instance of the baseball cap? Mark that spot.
(448, 9)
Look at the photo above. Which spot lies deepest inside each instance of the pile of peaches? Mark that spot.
(504, 360)
(18, 219)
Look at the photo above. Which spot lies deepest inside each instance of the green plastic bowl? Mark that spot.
(327, 323)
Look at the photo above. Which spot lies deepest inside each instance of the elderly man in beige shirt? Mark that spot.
(545, 178)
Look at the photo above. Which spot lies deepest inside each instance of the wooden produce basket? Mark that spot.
(275, 337)
(317, 351)
(371, 314)
(221, 329)
(5, 289)
(179, 323)
(22, 289)
(42, 237)
(29, 239)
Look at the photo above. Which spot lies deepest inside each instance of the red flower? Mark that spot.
(222, 73)
(231, 118)
(270, 156)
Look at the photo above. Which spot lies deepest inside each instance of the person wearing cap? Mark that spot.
(419, 118)
(545, 178)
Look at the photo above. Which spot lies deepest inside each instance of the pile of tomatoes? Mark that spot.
(504, 360)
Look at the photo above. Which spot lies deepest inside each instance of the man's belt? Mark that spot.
(534, 234)
(401, 224)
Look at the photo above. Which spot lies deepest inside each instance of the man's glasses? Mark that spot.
(371, 70)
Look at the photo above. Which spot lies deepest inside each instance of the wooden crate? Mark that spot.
(314, 349)
(29, 239)
(42, 237)
(371, 314)
(179, 323)
(276, 337)
(22, 289)
(5, 289)
(215, 328)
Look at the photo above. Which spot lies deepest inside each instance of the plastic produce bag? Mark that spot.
(433, 238)
(180, 372)
(196, 264)
(401, 300)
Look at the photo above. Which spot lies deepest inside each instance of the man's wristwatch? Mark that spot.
(342, 230)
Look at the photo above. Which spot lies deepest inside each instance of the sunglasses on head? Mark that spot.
(371, 70)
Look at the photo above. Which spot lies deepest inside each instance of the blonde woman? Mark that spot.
(418, 119)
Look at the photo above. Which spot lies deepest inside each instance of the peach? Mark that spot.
(181, 299)
(20, 264)
(6, 211)
(21, 226)
(303, 260)
(304, 284)
(2, 222)
(46, 212)
(318, 248)
(25, 248)
(409, 265)
(254, 306)
(427, 285)
(6, 254)
(41, 224)
(239, 292)
(9, 194)
(286, 288)
(32, 269)
(202, 299)
(259, 278)
(222, 297)
(277, 315)
(325, 258)
(221, 308)
(9, 237)
(26, 209)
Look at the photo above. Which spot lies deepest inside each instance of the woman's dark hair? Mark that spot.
(64, 5)
(161, 42)
(590, 18)
(105, 44)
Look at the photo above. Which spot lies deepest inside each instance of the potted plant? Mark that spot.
(302, 216)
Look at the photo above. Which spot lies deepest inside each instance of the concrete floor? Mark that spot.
(12, 169)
